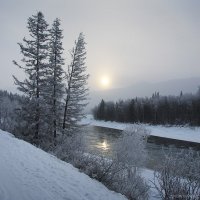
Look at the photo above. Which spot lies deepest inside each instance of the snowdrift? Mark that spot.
(27, 172)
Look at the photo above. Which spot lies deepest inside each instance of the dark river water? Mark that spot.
(100, 140)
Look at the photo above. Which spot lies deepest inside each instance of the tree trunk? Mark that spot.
(65, 112)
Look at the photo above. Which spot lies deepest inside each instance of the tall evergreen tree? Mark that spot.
(54, 91)
(101, 110)
(77, 90)
(34, 51)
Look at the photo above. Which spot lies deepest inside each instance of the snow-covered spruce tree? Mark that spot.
(54, 89)
(34, 51)
(76, 90)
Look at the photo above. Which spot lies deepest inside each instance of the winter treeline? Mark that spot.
(54, 94)
(175, 110)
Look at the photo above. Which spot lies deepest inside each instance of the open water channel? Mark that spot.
(100, 140)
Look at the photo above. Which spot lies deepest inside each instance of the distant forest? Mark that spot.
(183, 109)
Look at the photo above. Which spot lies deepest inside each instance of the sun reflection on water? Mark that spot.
(103, 145)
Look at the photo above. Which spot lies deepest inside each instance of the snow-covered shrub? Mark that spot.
(121, 172)
(178, 177)
(70, 147)
(97, 167)
(115, 176)
(130, 155)
(132, 185)
(130, 148)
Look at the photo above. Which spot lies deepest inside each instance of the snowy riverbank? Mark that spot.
(27, 172)
(173, 132)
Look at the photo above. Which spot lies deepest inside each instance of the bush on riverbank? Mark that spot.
(121, 173)
(178, 177)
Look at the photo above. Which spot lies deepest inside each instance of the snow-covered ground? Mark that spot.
(28, 173)
(173, 132)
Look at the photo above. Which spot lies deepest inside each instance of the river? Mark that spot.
(100, 140)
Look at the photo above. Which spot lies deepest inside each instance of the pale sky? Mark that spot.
(128, 41)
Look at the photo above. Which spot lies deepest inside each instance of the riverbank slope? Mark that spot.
(27, 172)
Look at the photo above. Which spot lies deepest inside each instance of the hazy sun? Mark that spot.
(105, 82)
